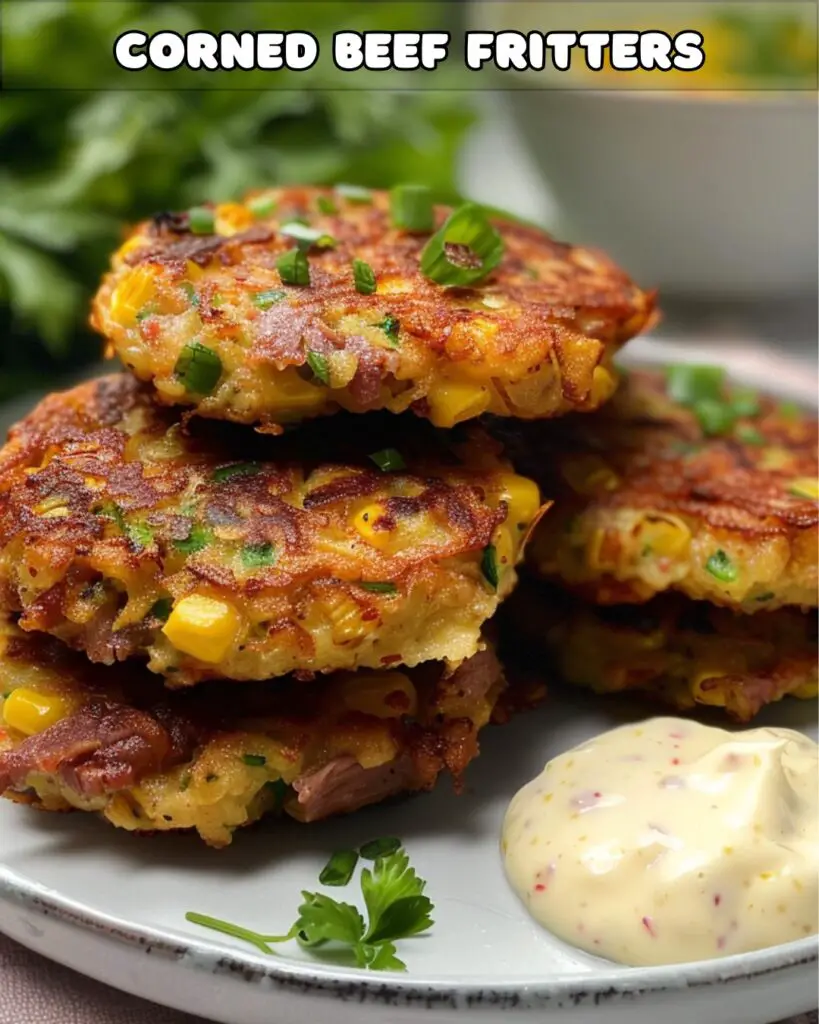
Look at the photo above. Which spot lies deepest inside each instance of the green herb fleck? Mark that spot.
(388, 460)
(715, 417)
(201, 220)
(464, 250)
(261, 206)
(258, 556)
(339, 868)
(279, 788)
(489, 566)
(390, 325)
(161, 609)
(268, 298)
(745, 402)
(254, 760)
(190, 293)
(306, 236)
(294, 268)
(320, 367)
(326, 205)
(355, 194)
(198, 538)
(198, 368)
(380, 847)
(364, 278)
(721, 567)
(767, 596)
(688, 383)
(224, 473)
(378, 587)
(789, 410)
(749, 435)
(411, 208)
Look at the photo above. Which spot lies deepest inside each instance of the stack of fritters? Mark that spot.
(301, 613)
(680, 558)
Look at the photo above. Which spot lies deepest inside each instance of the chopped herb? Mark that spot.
(217, 299)
(279, 788)
(201, 220)
(380, 847)
(689, 383)
(268, 298)
(198, 538)
(224, 473)
(258, 556)
(489, 566)
(396, 909)
(789, 410)
(326, 205)
(110, 510)
(190, 293)
(745, 402)
(411, 208)
(339, 868)
(749, 435)
(355, 194)
(320, 367)
(306, 236)
(140, 534)
(254, 760)
(377, 587)
(364, 278)
(161, 609)
(198, 368)
(715, 417)
(390, 325)
(261, 206)
(294, 268)
(464, 250)
(767, 596)
(388, 460)
(721, 567)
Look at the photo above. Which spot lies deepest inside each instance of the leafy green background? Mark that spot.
(78, 164)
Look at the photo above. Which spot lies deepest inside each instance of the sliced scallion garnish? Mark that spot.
(261, 206)
(198, 368)
(306, 236)
(294, 268)
(721, 567)
(268, 298)
(489, 566)
(354, 194)
(201, 220)
(745, 402)
(464, 250)
(688, 383)
(258, 556)
(411, 208)
(339, 868)
(161, 609)
(235, 469)
(254, 760)
(198, 538)
(320, 367)
(364, 277)
(388, 460)
(378, 587)
(326, 205)
(380, 847)
(749, 435)
(715, 416)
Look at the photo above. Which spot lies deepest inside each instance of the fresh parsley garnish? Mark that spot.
(396, 906)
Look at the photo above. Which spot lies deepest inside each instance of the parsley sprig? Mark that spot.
(396, 908)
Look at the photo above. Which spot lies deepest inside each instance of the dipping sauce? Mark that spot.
(671, 841)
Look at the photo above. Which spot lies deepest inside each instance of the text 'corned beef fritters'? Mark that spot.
(113, 740)
(680, 652)
(201, 305)
(682, 482)
(217, 552)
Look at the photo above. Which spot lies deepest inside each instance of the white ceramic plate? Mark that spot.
(112, 905)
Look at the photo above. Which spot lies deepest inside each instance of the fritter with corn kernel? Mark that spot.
(74, 735)
(302, 301)
(682, 482)
(682, 653)
(217, 552)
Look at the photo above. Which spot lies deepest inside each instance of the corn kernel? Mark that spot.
(380, 694)
(451, 402)
(604, 384)
(522, 498)
(805, 487)
(589, 475)
(364, 522)
(714, 695)
(668, 537)
(203, 627)
(133, 292)
(30, 712)
(345, 616)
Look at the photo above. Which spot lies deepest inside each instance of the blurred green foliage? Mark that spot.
(76, 165)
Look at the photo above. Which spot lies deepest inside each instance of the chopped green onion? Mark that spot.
(293, 267)
(190, 293)
(279, 788)
(388, 460)
(364, 277)
(767, 596)
(688, 383)
(198, 538)
(307, 236)
(721, 567)
(140, 534)
(390, 325)
(745, 402)
(110, 510)
(354, 194)
(254, 760)
(411, 208)
(376, 587)
(236, 469)
(326, 205)
(320, 367)
(268, 298)
(749, 435)
(715, 416)
(161, 609)
(198, 368)
(380, 848)
(201, 220)
(789, 410)
(489, 566)
(464, 250)
(339, 868)
(258, 556)
(261, 206)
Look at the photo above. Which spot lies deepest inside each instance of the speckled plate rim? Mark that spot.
(467, 992)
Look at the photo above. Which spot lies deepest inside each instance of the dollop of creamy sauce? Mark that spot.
(671, 841)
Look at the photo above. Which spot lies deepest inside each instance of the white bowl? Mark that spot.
(696, 193)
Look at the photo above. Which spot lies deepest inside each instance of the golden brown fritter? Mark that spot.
(716, 497)
(114, 741)
(683, 653)
(221, 553)
(532, 339)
